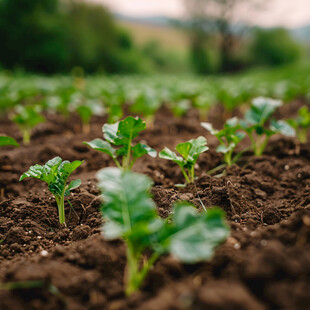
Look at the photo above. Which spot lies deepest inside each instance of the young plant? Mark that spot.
(229, 137)
(146, 104)
(120, 135)
(26, 118)
(190, 152)
(56, 173)
(254, 123)
(130, 214)
(301, 124)
(5, 140)
(85, 110)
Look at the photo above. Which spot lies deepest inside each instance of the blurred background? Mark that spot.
(147, 36)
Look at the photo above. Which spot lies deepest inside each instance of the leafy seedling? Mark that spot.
(5, 140)
(130, 214)
(56, 173)
(120, 135)
(254, 123)
(26, 118)
(229, 137)
(190, 152)
(301, 124)
(85, 110)
(146, 104)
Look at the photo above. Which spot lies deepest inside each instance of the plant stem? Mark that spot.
(302, 135)
(118, 165)
(185, 175)
(60, 200)
(126, 160)
(227, 158)
(132, 271)
(260, 149)
(192, 173)
(86, 128)
(253, 142)
(26, 136)
(135, 277)
(216, 169)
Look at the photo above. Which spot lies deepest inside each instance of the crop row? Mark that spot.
(26, 97)
(128, 210)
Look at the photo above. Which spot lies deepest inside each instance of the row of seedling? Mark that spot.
(129, 212)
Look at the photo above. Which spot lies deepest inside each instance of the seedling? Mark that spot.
(180, 107)
(229, 137)
(301, 124)
(56, 173)
(130, 214)
(26, 118)
(86, 109)
(5, 140)
(120, 135)
(147, 104)
(255, 121)
(190, 152)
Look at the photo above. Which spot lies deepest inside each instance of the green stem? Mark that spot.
(185, 175)
(260, 149)
(216, 169)
(126, 159)
(227, 158)
(132, 270)
(118, 165)
(253, 142)
(192, 173)
(135, 277)
(302, 135)
(26, 136)
(61, 208)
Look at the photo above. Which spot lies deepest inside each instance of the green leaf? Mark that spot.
(168, 154)
(197, 235)
(121, 133)
(199, 146)
(261, 110)
(101, 146)
(55, 172)
(141, 149)
(282, 127)
(67, 168)
(225, 148)
(74, 184)
(85, 113)
(184, 149)
(232, 122)
(130, 127)
(209, 127)
(110, 132)
(35, 171)
(112, 230)
(5, 140)
(126, 200)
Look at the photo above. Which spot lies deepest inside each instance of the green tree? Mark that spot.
(52, 36)
(32, 35)
(274, 47)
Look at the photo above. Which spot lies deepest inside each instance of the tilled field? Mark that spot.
(265, 263)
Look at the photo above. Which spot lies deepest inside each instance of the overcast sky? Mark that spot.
(290, 13)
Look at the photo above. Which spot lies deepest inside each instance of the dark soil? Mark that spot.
(265, 263)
